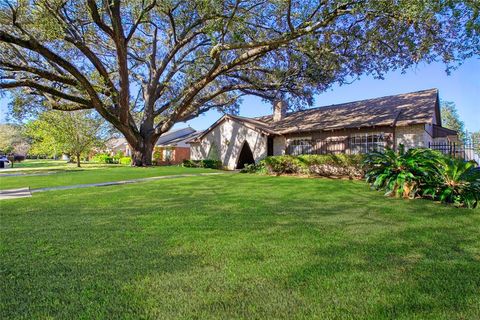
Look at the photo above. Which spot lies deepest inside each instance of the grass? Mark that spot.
(41, 163)
(89, 173)
(237, 246)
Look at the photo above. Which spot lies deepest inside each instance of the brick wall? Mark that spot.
(178, 155)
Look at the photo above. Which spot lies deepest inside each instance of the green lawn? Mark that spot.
(41, 163)
(89, 173)
(237, 246)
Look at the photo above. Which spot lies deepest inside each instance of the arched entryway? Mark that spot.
(246, 156)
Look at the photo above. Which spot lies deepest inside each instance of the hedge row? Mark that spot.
(117, 159)
(331, 165)
(212, 164)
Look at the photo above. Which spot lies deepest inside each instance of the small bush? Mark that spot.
(207, 163)
(255, 168)
(188, 164)
(103, 158)
(125, 160)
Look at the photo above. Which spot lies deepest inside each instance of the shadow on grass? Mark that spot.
(424, 272)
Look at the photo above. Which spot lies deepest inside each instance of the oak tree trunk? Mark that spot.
(78, 160)
(142, 154)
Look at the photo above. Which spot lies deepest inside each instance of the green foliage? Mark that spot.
(424, 172)
(457, 182)
(340, 165)
(13, 140)
(103, 158)
(157, 154)
(451, 118)
(207, 163)
(259, 168)
(125, 160)
(73, 133)
(285, 165)
(401, 173)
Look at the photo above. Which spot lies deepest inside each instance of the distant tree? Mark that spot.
(12, 140)
(145, 65)
(73, 133)
(451, 118)
(474, 137)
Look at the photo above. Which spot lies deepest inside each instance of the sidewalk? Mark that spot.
(27, 192)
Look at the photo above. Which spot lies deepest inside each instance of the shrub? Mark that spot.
(321, 165)
(255, 168)
(103, 158)
(157, 154)
(207, 163)
(188, 164)
(457, 181)
(401, 174)
(334, 165)
(285, 165)
(125, 160)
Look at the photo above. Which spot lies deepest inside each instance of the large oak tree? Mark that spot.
(144, 65)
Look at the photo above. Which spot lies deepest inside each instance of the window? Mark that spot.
(367, 142)
(168, 154)
(300, 146)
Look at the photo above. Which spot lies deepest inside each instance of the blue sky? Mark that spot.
(461, 87)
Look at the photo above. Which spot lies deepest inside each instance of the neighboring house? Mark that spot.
(412, 119)
(116, 145)
(171, 147)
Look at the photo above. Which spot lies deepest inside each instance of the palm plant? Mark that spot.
(401, 173)
(457, 181)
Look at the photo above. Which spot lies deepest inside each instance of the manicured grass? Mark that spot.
(40, 163)
(237, 246)
(90, 174)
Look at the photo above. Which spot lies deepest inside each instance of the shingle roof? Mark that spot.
(398, 110)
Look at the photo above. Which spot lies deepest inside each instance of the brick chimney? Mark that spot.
(279, 109)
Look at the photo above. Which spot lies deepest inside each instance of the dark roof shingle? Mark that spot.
(400, 110)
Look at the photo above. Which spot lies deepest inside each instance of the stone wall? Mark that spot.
(413, 136)
(229, 137)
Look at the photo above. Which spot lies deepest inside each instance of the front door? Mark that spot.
(246, 156)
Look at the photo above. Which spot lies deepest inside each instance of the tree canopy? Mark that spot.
(144, 65)
(12, 139)
(72, 133)
(451, 118)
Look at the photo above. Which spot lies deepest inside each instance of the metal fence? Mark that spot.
(467, 150)
(351, 145)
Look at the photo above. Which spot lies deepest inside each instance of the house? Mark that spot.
(172, 147)
(412, 119)
(118, 145)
